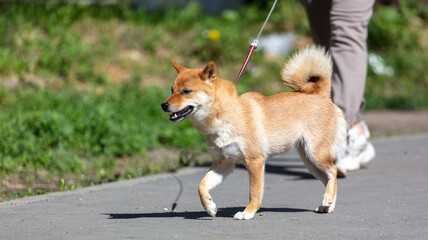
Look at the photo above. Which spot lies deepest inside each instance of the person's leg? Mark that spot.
(318, 13)
(348, 46)
(349, 20)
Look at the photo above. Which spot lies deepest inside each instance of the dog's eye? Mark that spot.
(186, 91)
(172, 91)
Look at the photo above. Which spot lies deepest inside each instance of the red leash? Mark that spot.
(253, 46)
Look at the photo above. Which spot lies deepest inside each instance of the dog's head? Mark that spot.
(192, 93)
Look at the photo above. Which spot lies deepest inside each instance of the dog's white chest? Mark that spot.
(223, 137)
(225, 145)
(230, 151)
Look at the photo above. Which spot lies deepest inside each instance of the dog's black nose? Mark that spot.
(165, 106)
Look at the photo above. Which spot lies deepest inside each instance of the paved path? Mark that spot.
(387, 200)
(388, 122)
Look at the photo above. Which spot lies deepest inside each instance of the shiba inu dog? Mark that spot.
(250, 128)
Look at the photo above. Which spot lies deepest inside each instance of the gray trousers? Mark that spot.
(341, 27)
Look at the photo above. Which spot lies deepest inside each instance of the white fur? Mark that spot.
(216, 176)
(226, 144)
(213, 178)
(339, 146)
(286, 143)
(202, 104)
(243, 216)
(212, 209)
(223, 136)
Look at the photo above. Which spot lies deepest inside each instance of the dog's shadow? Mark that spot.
(297, 170)
(200, 215)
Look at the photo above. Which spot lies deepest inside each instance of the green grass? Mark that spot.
(69, 132)
(81, 86)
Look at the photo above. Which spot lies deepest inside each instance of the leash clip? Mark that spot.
(254, 43)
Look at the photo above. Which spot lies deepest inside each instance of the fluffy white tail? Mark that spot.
(309, 71)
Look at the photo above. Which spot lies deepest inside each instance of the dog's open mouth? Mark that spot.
(181, 115)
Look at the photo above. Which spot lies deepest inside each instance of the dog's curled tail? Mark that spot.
(309, 71)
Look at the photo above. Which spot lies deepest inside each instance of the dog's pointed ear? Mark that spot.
(209, 73)
(178, 67)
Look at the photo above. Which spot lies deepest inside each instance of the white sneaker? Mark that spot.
(358, 151)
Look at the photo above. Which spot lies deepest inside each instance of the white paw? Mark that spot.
(243, 216)
(212, 209)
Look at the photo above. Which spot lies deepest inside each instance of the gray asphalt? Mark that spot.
(386, 200)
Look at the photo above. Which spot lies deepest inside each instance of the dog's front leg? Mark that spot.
(218, 171)
(256, 168)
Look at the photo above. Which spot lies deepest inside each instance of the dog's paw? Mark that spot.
(212, 209)
(324, 209)
(243, 216)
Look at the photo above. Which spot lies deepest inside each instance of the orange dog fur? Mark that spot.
(250, 128)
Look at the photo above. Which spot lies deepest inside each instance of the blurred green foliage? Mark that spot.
(400, 36)
(89, 79)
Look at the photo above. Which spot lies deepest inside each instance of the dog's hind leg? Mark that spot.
(218, 171)
(319, 162)
(256, 168)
